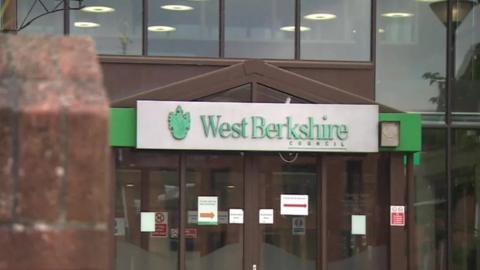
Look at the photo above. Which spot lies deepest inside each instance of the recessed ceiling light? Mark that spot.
(397, 14)
(161, 28)
(230, 186)
(98, 9)
(177, 7)
(86, 24)
(320, 16)
(381, 30)
(129, 185)
(292, 28)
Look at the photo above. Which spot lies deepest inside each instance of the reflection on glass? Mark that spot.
(337, 30)
(253, 29)
(115, 25)
(431, 202)
(146, 182)
(48, 24)
(214, 247)
(265, 94)
(356, 186)
(183, 28)
(241, 93)
(466, 97)
(465, 199)
(410, 56)
(291, 241)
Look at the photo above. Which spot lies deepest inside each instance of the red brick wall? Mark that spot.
(55, 182)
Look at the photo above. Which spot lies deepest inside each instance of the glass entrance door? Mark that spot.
(290, 241)
(254, 184)
(302, 212)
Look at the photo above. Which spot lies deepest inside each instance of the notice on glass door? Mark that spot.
(236, 216)
(293, 205)
(207, 210)
(265, 216)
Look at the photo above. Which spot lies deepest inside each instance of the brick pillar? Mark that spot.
(55, 180)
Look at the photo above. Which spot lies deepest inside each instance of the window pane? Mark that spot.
(335, 30)
(220, 246)
(188, 29)
(115, 25)
(466, 97)
(466, 198)
(146, 182)
(431, 202)
(47, 24)
(241, 93)
(265, 94)
(410, 62)
(357, 204)
(253, 28)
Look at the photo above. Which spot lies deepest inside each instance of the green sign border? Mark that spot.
(410, 131)
(123, 124)
(123, 127)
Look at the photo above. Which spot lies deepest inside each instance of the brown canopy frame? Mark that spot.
(250, 71)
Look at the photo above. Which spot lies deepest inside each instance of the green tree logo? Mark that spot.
(179, 123)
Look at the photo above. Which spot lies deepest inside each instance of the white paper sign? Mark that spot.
(223, 217)
(192, 217)
(397, 215)
(236, 216)
(257, 126)
(207, 210)
(359, 224)
(119, 227)
(298, 226)
(147, 221)
(265, 216)
(294, 205)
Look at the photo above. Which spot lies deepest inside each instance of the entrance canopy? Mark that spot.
(257, 82)
(254, 72)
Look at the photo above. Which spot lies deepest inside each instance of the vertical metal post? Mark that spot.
(144, 27)
(182, 207)
(66, 17)
(412, 248)
(221, 29)
(373, 44)
(450, 76)
(297, 29)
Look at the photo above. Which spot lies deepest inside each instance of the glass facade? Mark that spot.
(431, 194)
(412, 75)
(268, 32)
(466, 99)
(30, 21)
(187, 29)
(116, 26)
(335, 30)
(410, 56)
(465, 199)
(332, 30)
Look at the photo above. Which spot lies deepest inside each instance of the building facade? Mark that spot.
(401, 56)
